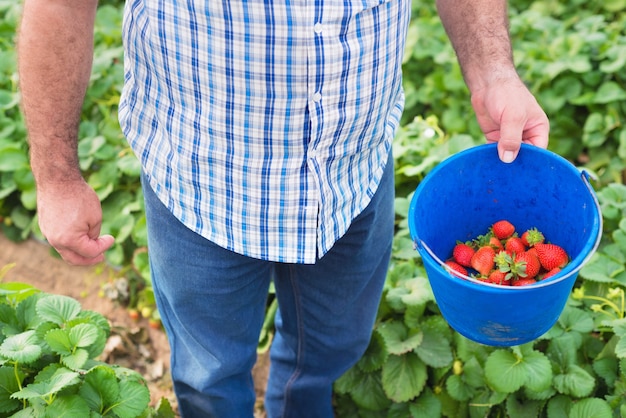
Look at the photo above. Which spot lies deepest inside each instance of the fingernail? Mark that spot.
(508, 156)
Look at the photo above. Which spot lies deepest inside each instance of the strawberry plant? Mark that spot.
(48, 361)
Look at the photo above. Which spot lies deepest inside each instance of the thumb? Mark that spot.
(511, 130)
(96, 247)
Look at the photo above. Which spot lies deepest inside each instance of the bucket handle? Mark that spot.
(585, 177)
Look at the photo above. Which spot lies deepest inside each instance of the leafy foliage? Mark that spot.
(572, 55)
(48, 361)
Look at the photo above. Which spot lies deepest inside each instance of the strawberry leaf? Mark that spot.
(538, 371)
(58, 309)
(83, 335)
(576, 382)
(135, 399)
(504, 371)
(426, 405)
(22, 348)
(61, 379)
(100, 389)
(375, 355)
(591, 407)
(434, 349)
(367, 392)
(397, 338)
(8, 385)
(68, 407)
(76, 360)
(404, 377)
(459, 389)
(59, 341)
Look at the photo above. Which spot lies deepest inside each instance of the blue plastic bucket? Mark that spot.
(463, 195)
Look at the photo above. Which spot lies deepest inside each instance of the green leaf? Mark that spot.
(434, 350)
(58, 309)
(538, 371)
(608, 92)
(576, 381)
(419, 291)
(83, 335)
(606, 368)
(458, 388)
(574, 319)
(61, 379)
(59, 341)
(591, 408)
(134, 399)
(76, 360)
(398, 339)
(516, 408)
(426, 405)
(100, 388)
(368, 393)
(70, 406)
(601, 268)
(404, 377)
(163, 409)
(375, 355)
(8, 385)
(504, 371)
(12, 160)
(23, 347)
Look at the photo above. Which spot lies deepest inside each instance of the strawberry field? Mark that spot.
(572, 54)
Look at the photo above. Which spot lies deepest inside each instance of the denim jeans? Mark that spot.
(212, 303)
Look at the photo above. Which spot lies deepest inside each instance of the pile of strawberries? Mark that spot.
(503, 257)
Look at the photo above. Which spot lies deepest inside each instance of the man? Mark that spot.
(264, 131)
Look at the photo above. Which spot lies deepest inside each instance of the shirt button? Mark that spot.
(317, 28)
(317, 97)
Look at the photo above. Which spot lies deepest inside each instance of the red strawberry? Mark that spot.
(456, 267)
(496, 243)
(498, 277)
(523, 282)
(482, 261)
(551, 256)
(531, 261)
(462, 253)
(503, 229)
(531, 237)
(514, 245)
(551, 273)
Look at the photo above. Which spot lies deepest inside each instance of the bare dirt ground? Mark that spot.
(133, 344)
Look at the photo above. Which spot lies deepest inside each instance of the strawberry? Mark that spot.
(456, 267)
(531, 261)
(502, 229)
(523, 282)
(551, 273)
(462, 253)
(551, 255)
(482, 261)
(496, 243)
(532, 236)
(498, 277)
(514, 245)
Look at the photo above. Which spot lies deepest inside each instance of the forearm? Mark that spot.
(55, 51)
(478, 30)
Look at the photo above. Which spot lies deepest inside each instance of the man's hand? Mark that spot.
(506, 110)
(70, 217)
(509, 114)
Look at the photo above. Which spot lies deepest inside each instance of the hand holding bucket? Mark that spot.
(461, 197)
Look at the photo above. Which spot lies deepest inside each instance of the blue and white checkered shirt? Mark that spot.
(264, 126)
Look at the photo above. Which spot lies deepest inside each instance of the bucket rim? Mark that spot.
(572, 268)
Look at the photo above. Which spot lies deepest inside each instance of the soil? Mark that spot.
(132, 343)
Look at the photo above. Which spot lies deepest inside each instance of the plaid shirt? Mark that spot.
(264, 126)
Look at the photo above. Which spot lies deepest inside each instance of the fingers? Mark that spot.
(85, 251)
